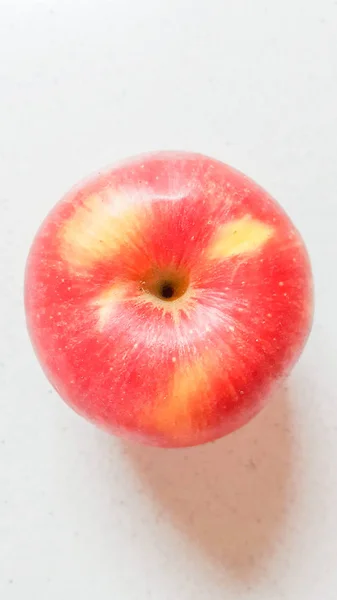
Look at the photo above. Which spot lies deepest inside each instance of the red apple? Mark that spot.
(166, 297)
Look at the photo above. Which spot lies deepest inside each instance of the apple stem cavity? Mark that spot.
(167, 290)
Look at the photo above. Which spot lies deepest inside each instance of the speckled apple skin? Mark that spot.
(175, 371)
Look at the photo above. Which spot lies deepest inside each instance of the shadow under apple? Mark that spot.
(230, 497)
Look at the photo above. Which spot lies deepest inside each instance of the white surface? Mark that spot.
(83, 83)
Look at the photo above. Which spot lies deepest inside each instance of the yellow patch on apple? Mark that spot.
(108, 301)
(179, 415)
(241, 236)
(95, 231)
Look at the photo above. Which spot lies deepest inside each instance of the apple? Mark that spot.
(166, 297)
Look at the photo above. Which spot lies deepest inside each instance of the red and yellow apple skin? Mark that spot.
(166, 297)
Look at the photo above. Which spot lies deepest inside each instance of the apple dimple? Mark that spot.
(167, 284)
(167, 290)
(173, 339)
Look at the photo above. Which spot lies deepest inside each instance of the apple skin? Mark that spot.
(166, 297)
